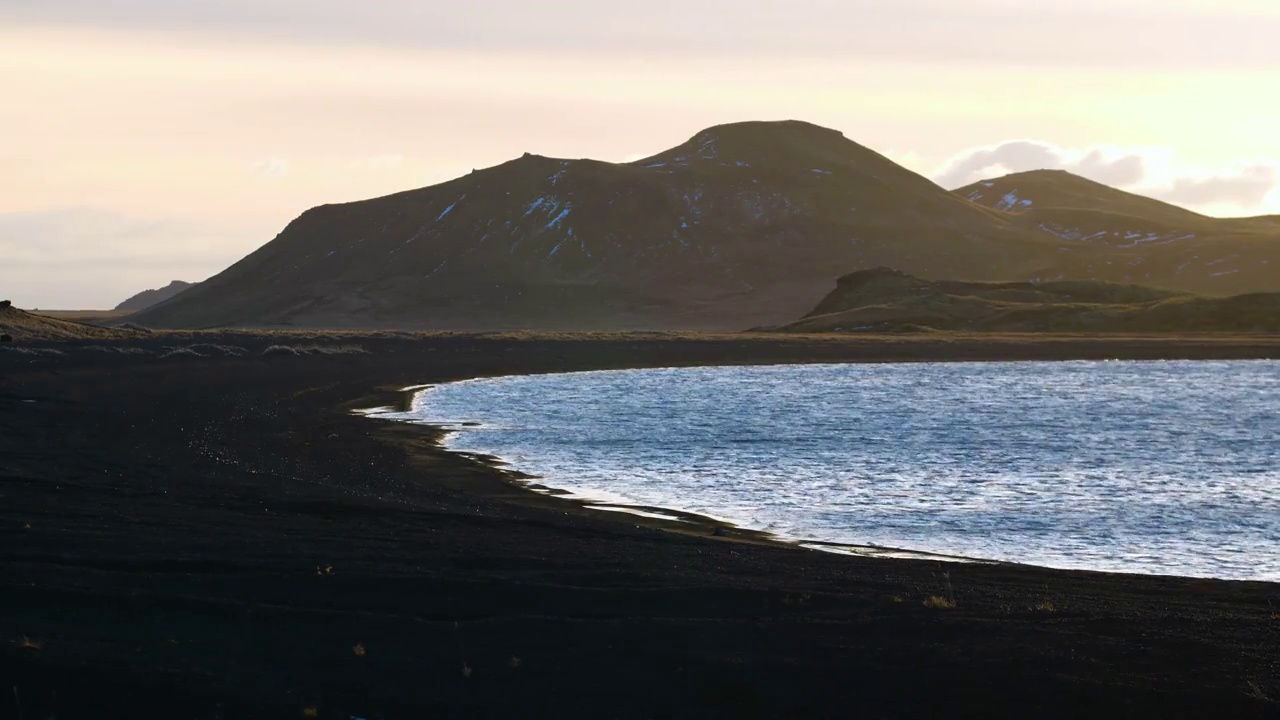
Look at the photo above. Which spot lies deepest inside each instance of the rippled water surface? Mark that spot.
(1153, 467)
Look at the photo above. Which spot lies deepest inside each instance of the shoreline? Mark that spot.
(685, 519)
(211, 536)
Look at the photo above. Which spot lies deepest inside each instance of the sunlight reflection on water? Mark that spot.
(1150, 467)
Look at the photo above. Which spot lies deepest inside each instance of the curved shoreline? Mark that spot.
(666, 518)
(219, 533)
(666, 515)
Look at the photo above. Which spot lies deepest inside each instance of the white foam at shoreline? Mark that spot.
(521, 426)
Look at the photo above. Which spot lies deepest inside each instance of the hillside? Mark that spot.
(882, 299)
(22, 325)
(1024, 191)
(147, 298)
(1109, 234)
(742, 224)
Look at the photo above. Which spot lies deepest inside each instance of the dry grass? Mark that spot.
(1255, 690)
(117, 350)
(937, 602)
(940, 602)
(315, 350)
(82, 316)
(181, 352)
(25, 326)
(135, 327)
(1045, 607)
(32, 351)
(217, 349)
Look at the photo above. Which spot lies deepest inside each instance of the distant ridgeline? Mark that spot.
(884, 300)
(148, 298)
(1111, 235)
(744, 225)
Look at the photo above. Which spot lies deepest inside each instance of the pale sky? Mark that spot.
(152, 140)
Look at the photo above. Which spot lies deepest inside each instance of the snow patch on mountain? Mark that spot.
(559, 218)
(450, 208)
(1008, 203)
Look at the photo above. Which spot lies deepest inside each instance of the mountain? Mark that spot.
(742, 224)
(885, 300)
(1108, 234)
(1024, 191)
(21, 325)
(147, 298)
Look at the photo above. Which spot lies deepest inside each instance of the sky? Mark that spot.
(153, 140)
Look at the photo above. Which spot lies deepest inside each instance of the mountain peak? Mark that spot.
(1035, 190)
(743, 224)
(767, 142)
(1046, 175)
(766, 129)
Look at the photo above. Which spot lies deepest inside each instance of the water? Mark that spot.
(1148, 467)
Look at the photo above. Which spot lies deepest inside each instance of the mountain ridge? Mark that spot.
(155, 296)
(741, 222)
(741, 225)
(1154, 242)
(1067, 189)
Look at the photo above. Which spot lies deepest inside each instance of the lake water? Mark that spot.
(1148, 467)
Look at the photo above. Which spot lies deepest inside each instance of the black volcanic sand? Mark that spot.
(220, 537)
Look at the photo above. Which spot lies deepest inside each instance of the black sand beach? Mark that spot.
(219, 536)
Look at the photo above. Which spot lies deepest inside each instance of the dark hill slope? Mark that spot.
(21, 325)
(1109, 234)
(742, 224)
(148, 298)
(888, 300)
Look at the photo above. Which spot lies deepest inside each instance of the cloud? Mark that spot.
(272, 167)
(1247, 187)
(1121, 171)
(1180, 33)
(1148, 171)
(1106, 166)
